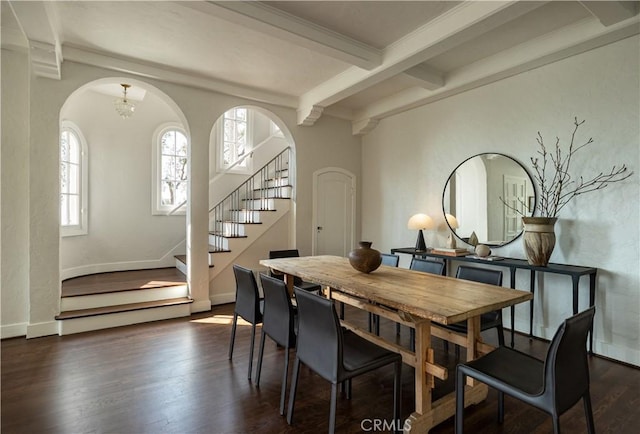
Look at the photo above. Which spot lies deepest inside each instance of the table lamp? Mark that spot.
(420, 222)
(453, 224)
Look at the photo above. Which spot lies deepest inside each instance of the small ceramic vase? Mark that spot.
(364, 258)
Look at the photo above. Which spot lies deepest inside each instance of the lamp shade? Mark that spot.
(420, 221)
(452, 221)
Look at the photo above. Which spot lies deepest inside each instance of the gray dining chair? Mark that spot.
(336, 354)
(554, 385)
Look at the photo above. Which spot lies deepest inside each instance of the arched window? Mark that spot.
(235, 141)
(170, 171)
(73, 181)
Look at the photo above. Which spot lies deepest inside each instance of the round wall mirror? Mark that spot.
(488, 194)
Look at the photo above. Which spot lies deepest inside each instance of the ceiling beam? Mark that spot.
(425, 76)
(578, 38)
(458, 25)
(35, 21)
(172, 75)
(611, 12)
(277, 23)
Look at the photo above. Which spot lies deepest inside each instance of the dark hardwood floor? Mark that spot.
(174, 377)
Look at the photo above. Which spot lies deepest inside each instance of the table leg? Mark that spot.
(576, 280)
(428, 414)
(512, 274)
(532, 288)
(592, 302)
(289, 278)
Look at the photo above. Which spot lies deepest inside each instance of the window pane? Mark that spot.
(168, 143)
(64, 210)
(181, 144)
(74, 148)
(168, 168)
(241, 133)
(241, 114)
(64, 146)
(181, 169)
(166, 197)
(74, 178)
(181, 192)
(74, 210)
(64, 177)
(229, 131)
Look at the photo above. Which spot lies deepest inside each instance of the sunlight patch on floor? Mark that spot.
(221, 319)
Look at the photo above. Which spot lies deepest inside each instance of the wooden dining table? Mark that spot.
(418, 300)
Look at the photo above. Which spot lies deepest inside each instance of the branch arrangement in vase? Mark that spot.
(556, 186)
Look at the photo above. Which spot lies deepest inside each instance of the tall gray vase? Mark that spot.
(539, 239)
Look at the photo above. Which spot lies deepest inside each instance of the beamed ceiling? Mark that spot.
(358, 60)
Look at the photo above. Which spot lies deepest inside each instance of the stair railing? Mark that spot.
(226, 170)
(242, 205)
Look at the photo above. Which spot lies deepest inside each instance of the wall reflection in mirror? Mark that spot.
(476, 193)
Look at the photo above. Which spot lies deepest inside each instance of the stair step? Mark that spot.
(119, 281)
(83, 313)
(183, 258)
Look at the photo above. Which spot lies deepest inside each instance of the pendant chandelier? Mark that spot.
(124, 107)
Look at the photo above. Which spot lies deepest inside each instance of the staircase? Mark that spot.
(122, 298)
(246, 213)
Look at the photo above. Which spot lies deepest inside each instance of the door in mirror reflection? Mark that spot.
(488, 194)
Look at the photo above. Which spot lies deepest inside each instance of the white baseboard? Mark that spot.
(42, 329)
(201, 306)
(13, 330)
(226, 298)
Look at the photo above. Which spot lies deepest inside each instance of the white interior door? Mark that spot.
(333, 212)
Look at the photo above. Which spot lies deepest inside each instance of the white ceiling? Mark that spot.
(360, 60)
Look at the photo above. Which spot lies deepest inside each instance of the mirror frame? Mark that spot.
(528, 214)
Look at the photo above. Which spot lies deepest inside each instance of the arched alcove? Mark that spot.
(123, 231)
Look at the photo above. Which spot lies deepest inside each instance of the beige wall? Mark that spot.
(14, 268)
(408, 157)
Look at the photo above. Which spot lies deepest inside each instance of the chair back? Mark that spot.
(277, 254)
(319, 343)
(482, 275)
(291, 253)
(390, 260)
(278, 316)
(566, 369)
(247, 295)
(425, 266)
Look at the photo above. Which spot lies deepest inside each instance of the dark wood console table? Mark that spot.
(514, 264)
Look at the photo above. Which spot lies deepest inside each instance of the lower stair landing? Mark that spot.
(114, 299)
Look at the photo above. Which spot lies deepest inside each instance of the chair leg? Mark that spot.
(446, 346)
(397, 395)
(233, 334)
(348, 384)
(370, 322)
(253, 338)
(283, 389)
(397, 329)
(341, 310)
(500, 335)
(500, 406)
(591, 429)
(292, 392)
(459, 417)
(332, 410)
(556, 423)
(377, 323)
(457, 352)
(260, 352)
